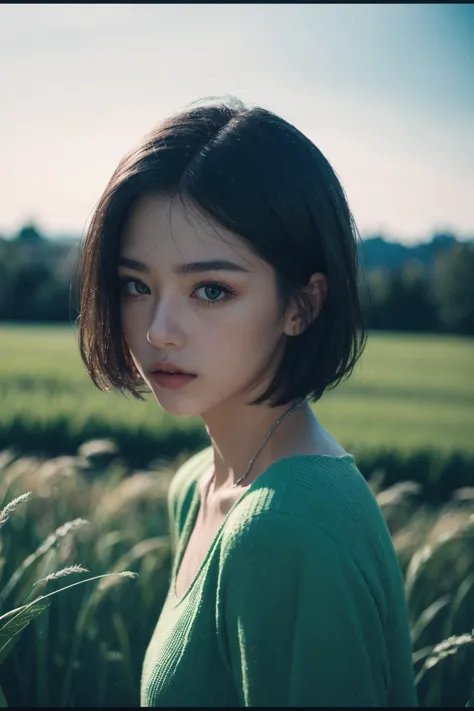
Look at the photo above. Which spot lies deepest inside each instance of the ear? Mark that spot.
(316, 290)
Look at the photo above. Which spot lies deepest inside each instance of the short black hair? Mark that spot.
(258, 176)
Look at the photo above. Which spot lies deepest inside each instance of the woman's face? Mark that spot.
(224, 331)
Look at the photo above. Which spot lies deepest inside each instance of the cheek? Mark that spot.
(131, 326)
(126, 323)
(131, 335)
(248, 337)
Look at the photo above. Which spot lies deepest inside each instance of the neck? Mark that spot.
(237, 434)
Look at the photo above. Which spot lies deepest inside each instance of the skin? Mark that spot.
(171, 317)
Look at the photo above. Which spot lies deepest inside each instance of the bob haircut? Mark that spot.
(255, 174)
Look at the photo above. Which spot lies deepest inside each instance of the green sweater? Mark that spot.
(299, 602)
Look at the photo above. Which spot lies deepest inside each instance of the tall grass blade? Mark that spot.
(442, 650)
(461, 609)
(41, 625)
(77, 637)
(123, 638)
(10, 631)
(139, 550)
(22, 616)
(422, 653)
(427, 616)
(102, 675)
(47, 544)
(70, 570)
(417, 562)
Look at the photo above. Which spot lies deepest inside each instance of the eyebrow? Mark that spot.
(188, 268)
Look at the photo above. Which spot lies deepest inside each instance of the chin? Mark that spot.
(175, 403)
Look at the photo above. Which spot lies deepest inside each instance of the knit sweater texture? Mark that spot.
(299, 601)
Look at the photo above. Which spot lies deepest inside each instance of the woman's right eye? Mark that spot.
(139, 285)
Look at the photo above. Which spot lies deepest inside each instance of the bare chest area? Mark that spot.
(202, 536)
(208, 523)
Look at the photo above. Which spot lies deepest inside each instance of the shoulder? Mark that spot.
(275, 535)
(297, 561)
(322, 505)
(298, 557)
(315, 492)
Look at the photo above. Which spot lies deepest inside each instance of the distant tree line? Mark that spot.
(425, 288)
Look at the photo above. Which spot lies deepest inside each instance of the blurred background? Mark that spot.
(386, 92)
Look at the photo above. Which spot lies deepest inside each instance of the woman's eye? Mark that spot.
(210, 296)
(138, 285)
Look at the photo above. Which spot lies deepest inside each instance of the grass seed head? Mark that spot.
(9, 508)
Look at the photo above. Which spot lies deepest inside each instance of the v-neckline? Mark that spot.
(189, 526)
(193, 514)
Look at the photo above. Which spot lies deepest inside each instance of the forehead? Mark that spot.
(163, 228)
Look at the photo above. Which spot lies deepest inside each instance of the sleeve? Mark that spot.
(300, 626)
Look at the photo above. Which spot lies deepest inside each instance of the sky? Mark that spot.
(386, 92)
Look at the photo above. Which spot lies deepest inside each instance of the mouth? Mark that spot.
(165, 379)
(170, 372)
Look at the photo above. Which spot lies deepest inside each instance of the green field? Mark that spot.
(407, 391)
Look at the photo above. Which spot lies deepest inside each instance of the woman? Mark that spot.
(223, 250)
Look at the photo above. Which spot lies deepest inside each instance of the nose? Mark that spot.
(165, 329)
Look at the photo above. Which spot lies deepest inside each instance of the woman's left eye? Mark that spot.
(213, 286)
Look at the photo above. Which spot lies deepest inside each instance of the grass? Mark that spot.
(407, 391)
(87, 647)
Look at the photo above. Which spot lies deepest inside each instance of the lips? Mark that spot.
(171, 382)
(170, 369)
(171, 372)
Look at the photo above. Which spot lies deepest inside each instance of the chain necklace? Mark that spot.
(271, 431)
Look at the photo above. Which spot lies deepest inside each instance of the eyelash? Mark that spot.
(226, 289)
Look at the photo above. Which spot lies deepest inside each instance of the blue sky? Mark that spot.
(385, 91)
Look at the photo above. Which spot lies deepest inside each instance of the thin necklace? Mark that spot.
(271, 431)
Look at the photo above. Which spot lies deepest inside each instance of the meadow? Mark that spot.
(86, 648)
(407, 392)
(106, 509)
